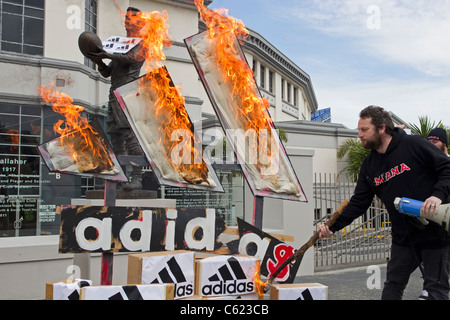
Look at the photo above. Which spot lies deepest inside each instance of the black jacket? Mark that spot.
(411, 167)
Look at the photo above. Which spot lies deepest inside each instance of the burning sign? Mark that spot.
(155, 110)
(81, 149)
(242, 112)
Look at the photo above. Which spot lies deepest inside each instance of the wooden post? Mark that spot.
(258, 205)
(108, 257)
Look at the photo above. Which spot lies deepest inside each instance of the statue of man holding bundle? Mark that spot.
(122, 69)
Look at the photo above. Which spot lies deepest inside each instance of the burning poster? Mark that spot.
(155, 110)
(82, 148)
(242, 112)
(156, 113)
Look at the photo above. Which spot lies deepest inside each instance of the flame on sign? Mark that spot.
(242, 111)
(177, 132)
(78, 138)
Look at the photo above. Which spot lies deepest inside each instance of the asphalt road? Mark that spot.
(360, 283)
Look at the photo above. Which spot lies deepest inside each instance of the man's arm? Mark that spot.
(441, 164)
(104, 70)
(121, 58)
(358, 205)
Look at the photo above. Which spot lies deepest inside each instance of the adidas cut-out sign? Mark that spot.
(226, 275)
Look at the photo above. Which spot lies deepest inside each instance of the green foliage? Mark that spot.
(425, 126)
(355, 153)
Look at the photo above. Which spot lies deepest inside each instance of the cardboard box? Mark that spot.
(162, 291)
(299, 291)
(175, 267)
(65, 289)
(192, 298)
(226, 276)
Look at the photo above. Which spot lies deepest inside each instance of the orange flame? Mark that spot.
(153, 30)
(168, 107)
(14, 136)
(78, 137)
(260, 285)
(250, 109)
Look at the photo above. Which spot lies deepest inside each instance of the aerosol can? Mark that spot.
(413, 208)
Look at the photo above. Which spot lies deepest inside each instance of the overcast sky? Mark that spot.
(391, 53)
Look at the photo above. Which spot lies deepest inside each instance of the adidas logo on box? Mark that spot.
(226, 275)
(136, 292)
(65, 290)
(299, 291)
(175, 267)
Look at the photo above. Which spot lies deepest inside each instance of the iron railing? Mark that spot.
(366, 239)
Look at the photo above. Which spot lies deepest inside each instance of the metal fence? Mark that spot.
(366, 239)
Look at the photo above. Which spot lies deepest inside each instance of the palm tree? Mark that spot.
(425, 126)
(355, 152)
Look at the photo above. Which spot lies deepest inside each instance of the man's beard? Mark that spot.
(373, 144)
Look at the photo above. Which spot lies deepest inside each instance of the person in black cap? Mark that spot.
(439, 138)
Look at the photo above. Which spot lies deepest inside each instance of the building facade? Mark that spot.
(47, 54)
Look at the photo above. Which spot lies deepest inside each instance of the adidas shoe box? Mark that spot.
(65, 290)
(299, 291)
(163, 291)
(175, 267)
(219, 276)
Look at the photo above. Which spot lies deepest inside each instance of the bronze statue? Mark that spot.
(122, 69)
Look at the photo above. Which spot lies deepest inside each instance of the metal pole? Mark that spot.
(108, 257)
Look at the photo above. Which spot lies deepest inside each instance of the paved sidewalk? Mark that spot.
(350, 283)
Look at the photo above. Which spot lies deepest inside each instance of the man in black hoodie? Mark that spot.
(401, 165)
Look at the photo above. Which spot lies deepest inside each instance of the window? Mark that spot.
(271, 81)
(289, 86)
(90, 24)
(262, 76)
(283, 85)
(29, 193)
(22, 26)
(295, 96)
(20, 134)
(228, 205)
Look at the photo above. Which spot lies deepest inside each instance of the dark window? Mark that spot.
(295, 96)
(263, 76)
(90, 23)
(22, 26)
(271, 90)
(289, 86)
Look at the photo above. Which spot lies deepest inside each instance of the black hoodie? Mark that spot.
(412, 167)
